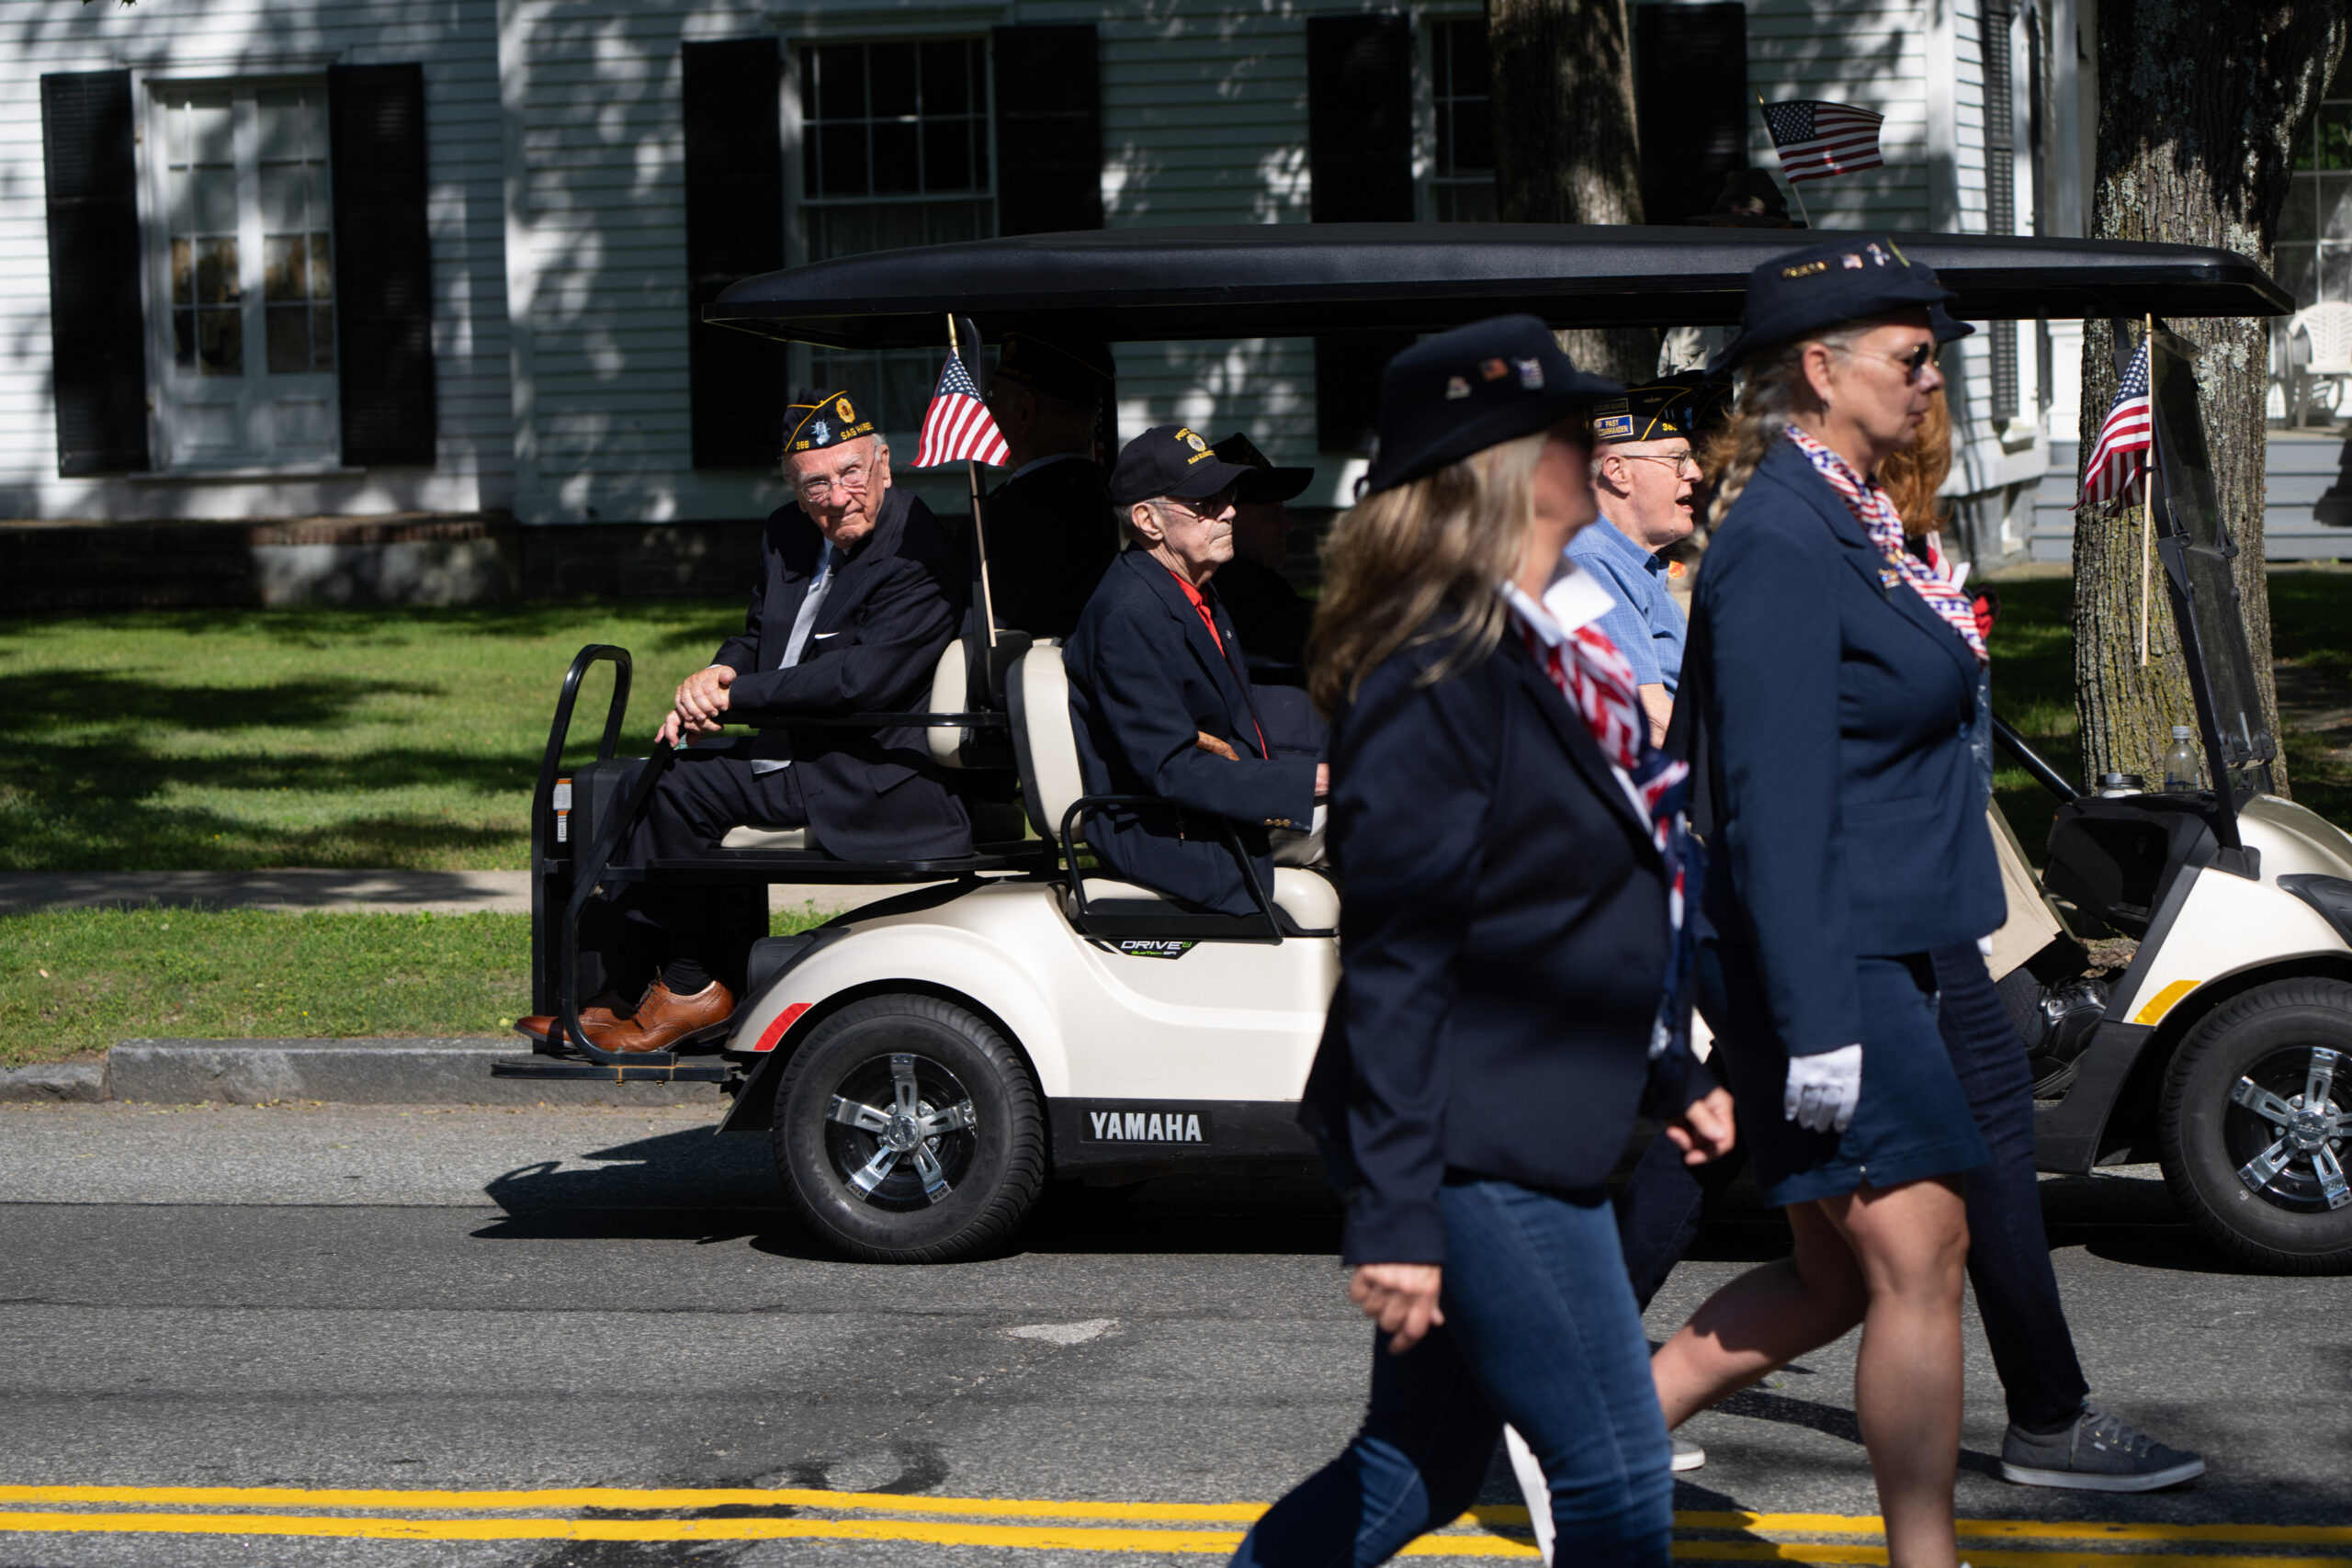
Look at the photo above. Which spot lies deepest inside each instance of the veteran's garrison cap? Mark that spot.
(814, 420)
(1795, 296)
(1685, 405)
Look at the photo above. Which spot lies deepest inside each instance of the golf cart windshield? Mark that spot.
(2197, 552)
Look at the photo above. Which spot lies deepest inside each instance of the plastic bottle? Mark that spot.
(2183, 774)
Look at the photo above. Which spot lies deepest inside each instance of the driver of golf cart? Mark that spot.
(858, 592)
(1159, 691)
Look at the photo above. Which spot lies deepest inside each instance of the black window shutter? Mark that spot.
(1691, 104)
(734, 230)
(1360, 150)
(1048, 129)
(97, 332)
(383, 263)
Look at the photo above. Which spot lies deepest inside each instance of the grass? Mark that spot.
(77, 981)
(237, 740)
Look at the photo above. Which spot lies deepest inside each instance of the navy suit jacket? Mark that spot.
(1050, 534)
(1848, 820)
(1146, 680)
(1502, 943)
(890, 610)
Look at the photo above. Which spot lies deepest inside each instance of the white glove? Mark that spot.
(1822, 1091)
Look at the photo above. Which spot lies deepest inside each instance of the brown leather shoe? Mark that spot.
(665, 1019)
(605, 1012)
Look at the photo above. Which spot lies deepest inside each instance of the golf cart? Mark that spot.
(924, 1063)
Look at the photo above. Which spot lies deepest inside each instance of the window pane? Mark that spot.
(812, 177)
(947, 85)
(2335, 207)
(1468, 43)
(184, 339)
(284, 272)
(322, 337)
(283, 131)
(2334, 273)
(322, 267)
(894, 170)
(212, 129)
(891, 77)
(2335, 136)
(211, 204)
(840, 81)
(2299, 219)
(1469, 202)
(220, 342)
(289, 339)
(947, 154)
(216, 272)
(286, 205)
(1474, 146)
(183, 273)
(843, 151)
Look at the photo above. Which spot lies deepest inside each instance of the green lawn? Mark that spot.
(244, 740)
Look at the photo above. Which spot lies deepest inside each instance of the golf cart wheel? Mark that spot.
(2257, 1110)
(908, 1130)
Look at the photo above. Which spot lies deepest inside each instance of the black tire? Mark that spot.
(936, 1199)
(2255, 1189)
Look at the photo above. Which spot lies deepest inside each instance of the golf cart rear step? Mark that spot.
(708, 1071)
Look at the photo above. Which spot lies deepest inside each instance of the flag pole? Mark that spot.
(980, 535)
(1784, 165)
(2148, 495)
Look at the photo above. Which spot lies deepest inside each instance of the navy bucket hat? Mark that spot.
(1474, 388)
(1795, 296)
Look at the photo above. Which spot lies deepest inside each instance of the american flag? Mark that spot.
(1818, 138)
(2121, 454)
(956, 425)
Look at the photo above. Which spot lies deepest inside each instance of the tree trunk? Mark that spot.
(1565, 146)
(2199, 105)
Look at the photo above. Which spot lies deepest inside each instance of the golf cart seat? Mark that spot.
(1305, 903)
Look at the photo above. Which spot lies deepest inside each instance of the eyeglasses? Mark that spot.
(1208, 508)
(1918, 359)
(850, 480)
(1682, 462)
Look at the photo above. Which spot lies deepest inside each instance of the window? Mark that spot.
(248, 275)
(1462, 177)
(894, 152)
(2314, 249)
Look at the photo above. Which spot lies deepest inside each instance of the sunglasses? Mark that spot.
(1918, 359)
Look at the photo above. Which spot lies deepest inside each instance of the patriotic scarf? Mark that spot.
(1879, 519)
(1599, 684)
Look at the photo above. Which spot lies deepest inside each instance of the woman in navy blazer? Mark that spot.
(1839, 686)
(1504, 936)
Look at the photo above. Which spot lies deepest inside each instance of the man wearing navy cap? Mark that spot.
(1050, 528)
(1159, 691)
(857, 595)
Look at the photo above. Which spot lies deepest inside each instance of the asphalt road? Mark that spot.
(396, 1302)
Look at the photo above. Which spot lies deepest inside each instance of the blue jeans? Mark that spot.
(1540, 1331)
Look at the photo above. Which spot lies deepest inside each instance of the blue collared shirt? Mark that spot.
(1645, 622)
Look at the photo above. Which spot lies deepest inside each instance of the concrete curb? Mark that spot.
(347, 1072)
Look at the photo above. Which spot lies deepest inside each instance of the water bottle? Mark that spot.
(2182, 774)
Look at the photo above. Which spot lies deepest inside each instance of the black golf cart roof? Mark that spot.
(1301, 279)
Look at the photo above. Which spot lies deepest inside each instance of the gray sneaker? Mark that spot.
(1688, 1455)
(2098, 1453)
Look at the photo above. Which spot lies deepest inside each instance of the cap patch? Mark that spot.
(1613, 427)
(1804, 270)
(1456, 386)
(1493, 370)
(1531, 375)
(1200, 451)
(1853, 263)
(1611, 405)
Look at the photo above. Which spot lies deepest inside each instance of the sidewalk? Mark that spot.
(394, 892)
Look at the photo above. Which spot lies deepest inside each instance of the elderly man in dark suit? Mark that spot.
(859, 590)
(1160, 690)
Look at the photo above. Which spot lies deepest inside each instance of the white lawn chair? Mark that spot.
(2327, 329)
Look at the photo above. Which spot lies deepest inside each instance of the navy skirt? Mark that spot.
(1913, 1122)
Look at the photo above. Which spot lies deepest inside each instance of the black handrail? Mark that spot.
(587, 871)
(2034, 762)
(546, 991)
(1232, 840)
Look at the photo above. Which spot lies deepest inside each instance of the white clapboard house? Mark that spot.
(320, 258)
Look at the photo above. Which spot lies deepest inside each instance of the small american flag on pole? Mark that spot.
(1818, 138)
(2121, 454)
(956, 426)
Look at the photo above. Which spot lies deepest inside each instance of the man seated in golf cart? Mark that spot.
(1050, 531)
(859, 591)
(1159, 693)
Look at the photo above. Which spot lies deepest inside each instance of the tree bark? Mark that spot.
(1567, 149)
(2199, 105)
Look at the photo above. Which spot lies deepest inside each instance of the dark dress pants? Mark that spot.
(2008, 1253)
(707, 791)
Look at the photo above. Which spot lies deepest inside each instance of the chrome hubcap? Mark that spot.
(911, 1150)
(2290, 1145)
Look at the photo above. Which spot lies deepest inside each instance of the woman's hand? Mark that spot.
(1401, 1298)
(1705, 1130)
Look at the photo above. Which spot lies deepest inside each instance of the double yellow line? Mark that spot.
(584, 1514)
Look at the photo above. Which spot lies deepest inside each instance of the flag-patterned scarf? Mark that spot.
(1879, 519)
(1599, 684)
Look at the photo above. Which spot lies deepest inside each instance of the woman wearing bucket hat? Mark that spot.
(1838, 684)
(1509, 843)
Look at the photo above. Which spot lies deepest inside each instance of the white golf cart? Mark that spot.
(924, 1063)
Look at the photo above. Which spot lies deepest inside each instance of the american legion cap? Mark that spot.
(1172, 460)
(1795, 296)
(814, 420)
(1474, 388)
(1686, 405)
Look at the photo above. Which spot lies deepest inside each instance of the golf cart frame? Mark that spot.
(2233, 891)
